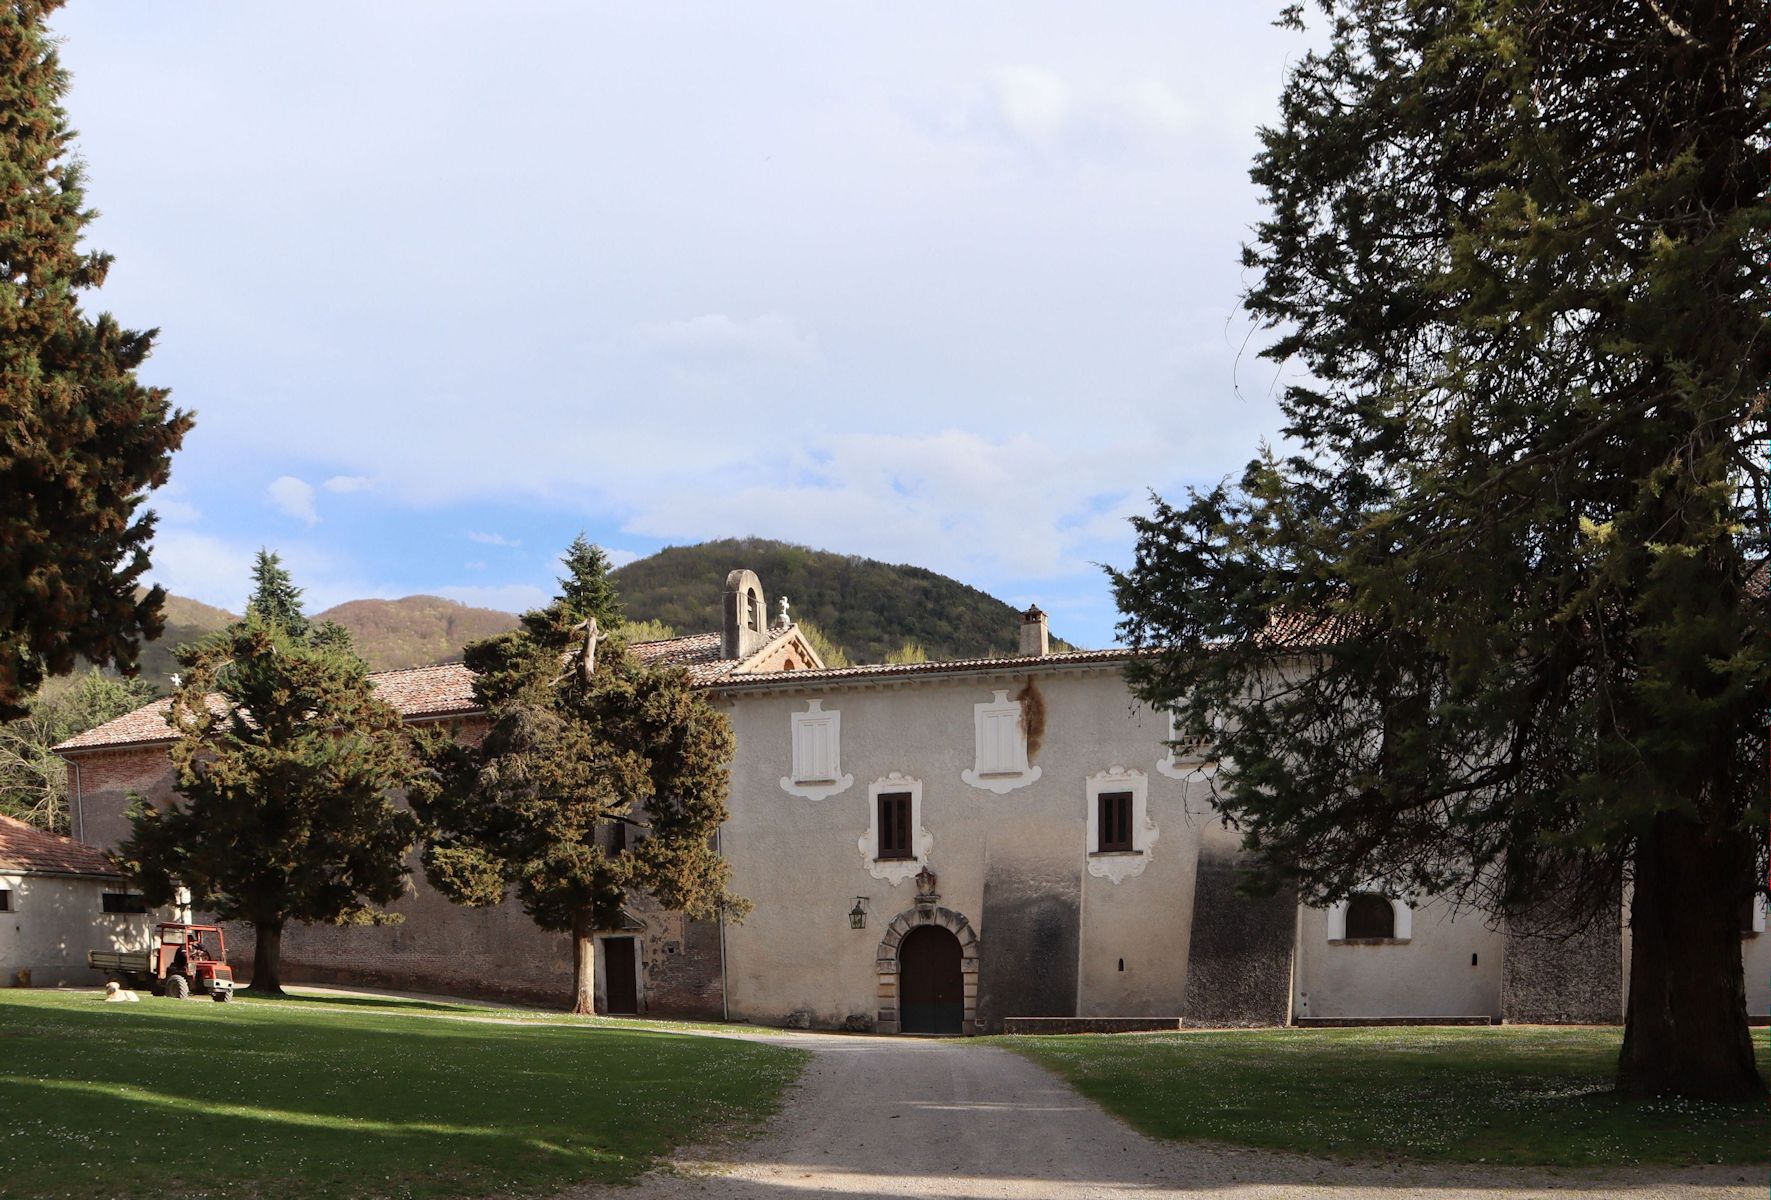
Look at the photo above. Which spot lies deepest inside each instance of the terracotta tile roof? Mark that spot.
(439, 691)
(940, 667)
(32, 851)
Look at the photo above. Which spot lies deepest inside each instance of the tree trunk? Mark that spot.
(1685, 1033)
(267, 959)
(584, 964)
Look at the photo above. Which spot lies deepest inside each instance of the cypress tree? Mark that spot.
(586, 589)
(285, 760)
(275, 598)
(587, 789)
(1495, 624)
(81, 440)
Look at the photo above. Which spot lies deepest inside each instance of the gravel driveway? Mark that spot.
(913, 1117)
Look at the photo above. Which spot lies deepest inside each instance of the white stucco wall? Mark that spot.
(796, 858)
(55, 920)
(1429, 975)
(1755, 953)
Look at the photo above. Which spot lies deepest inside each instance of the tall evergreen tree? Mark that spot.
(81, 440)
(285, 759)
(586, 589)
(275, 598)
(1490, 627)
(591, 785)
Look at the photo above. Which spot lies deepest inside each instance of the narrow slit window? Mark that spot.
(894, 826)
(1114, 822)
(125, 902)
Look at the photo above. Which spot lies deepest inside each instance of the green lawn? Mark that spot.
(1527, 1096)
(316, 1099)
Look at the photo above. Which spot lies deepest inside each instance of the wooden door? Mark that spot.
(621, 976)
(931, 990)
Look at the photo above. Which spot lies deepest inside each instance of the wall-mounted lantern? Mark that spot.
(858, 914)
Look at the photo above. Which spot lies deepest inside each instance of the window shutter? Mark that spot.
(814, 748)
(999, 743)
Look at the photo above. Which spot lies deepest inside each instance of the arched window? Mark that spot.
(1370, 915)
(751, 609)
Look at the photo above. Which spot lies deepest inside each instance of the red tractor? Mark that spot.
(184, 959)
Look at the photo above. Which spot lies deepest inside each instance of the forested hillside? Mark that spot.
(870, 609)
(409, 632)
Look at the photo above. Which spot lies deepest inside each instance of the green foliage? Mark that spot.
(33, 779)
(81, 440)
(571, 754)
(1515, 1095)
(1505, 570)
(909, 652)
(865, 608)
(275, 598)
(284, 763)
(585, 589)
(334, 1100)
(832, 654)
(646, 631)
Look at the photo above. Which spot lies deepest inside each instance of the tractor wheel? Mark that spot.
(178, 987)
(222, 997)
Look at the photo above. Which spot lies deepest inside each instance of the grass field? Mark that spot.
(343, 1098)
(1527, 1096)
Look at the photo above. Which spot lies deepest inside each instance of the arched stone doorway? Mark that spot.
(931, 991)
(927, 962)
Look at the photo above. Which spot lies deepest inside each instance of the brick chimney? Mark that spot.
(1035, 639)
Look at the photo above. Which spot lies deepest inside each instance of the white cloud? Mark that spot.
(478, 564)
(1033, 101)
(293, 498)
(1160, 105)
(491, 539)
(716, 335)
(620, 558)
(346, 484)
(169, 505)
(509, 597)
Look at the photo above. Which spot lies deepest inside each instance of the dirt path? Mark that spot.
(899, 1117)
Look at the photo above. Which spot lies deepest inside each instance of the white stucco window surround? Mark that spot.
(1404, 916)
(817, 754)
(895, 870)
(1001, 760)
(1120, 865)
(1186, 756)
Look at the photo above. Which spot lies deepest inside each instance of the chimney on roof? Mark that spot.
(1035, 638)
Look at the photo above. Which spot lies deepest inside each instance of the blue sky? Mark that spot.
(447, 283)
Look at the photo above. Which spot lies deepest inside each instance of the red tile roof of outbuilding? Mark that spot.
(30, 850)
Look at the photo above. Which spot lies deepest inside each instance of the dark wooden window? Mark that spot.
(1370, 915)
(1114, 821)
(5, 899)
(894, 825)
(124, 902)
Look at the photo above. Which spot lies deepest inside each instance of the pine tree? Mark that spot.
(1490, 627)
(586, 589)
(588, 788)
(284, 762)
(275, 598)
(81, 440)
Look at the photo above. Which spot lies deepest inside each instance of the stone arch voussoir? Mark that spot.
(886, 961)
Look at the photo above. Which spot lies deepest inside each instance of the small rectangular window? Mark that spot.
(618, 836)
(125, 902)
(5, 899)
(1114, 821)
(894, 825)
(814, 749)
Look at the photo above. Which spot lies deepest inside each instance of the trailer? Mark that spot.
(184, 960)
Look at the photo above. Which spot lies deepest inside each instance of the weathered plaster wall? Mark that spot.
(1239, 968)
(1755, 954)
(55, 920)
(496, 953)
(1430, 975)
(1014, 863)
